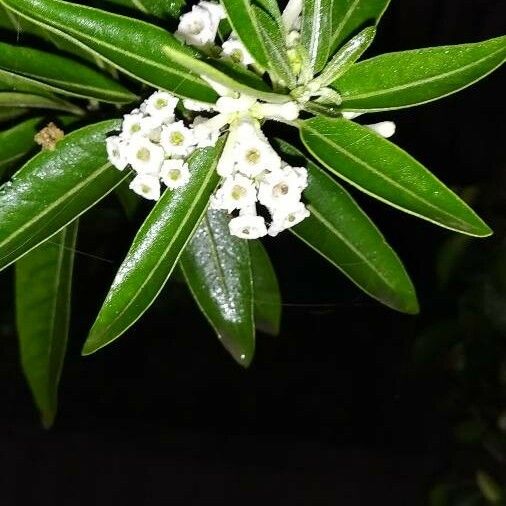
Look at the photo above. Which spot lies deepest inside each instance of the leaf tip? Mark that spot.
(47, 419)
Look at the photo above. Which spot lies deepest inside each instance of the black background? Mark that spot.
(328, 412)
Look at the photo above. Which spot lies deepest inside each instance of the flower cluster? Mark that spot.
(254, 178)
(154, 145)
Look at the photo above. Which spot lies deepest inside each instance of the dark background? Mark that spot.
(337, 409)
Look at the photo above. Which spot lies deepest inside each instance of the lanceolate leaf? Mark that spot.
(17, 142)
(54, 188)
(274, 40)
(43, 286)
(258, 26)
(10, 113)
(133, 46)
(61, 74)
(144, 51)
(161, 8)
(347, 56)
(243, 20)
(265, 290)
(407, 78)
(383, 170)
(217, 269)
(342, 233)
(13, 99)
(155, 251)
(348, 16)
(315, 32)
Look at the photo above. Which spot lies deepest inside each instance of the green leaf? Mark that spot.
(245, 24)
(275, 44)
(161, 8)
(137, 48)
(54, 188)
(12, 99)
(408, 78)
(349, 16)
(43, 287)
(155, 251)
(386, 172)
(259, 28)
(265, 289)
(343, 234)
(13, 22)
(61, 74)
(17, 141)
(217, 269)
(315, 33)
(141, 50)
(346, 56)
(11, 113)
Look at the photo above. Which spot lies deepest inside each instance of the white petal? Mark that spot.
(146, 186)
(116, 152)
(237, 51)
(175, 173)
(288, 111)
(161, 105)
(288, 218)
(384, 128)
(145, 156)
(248, 227)
(177, 140)
(198, 27)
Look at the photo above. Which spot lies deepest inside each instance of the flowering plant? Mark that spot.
(199, 146)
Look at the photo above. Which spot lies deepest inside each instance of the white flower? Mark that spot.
(161, 105)
(384, 128)
(288, 111)
(146, 186)
(202, 134)
(300, 173)
(215, 9)
(237, 51)
(175, 173)
(198, 27)
(196, 105)
(351, 114)
(286, 218)
(219, 88)
(144, 156)
(254, 155)
(176, 139)
(230, 105)
(237, 192)
(116, 152)
(280, 189)
(247, 227)
(137, 124)
(291, 14)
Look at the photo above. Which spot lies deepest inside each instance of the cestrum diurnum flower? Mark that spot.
(256, 183)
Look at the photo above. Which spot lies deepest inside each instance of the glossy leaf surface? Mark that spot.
(54, 188)
(349, 16)
(347, 56)
(28, 100)
(265, 289)
(155, 251)
(217, 269)
(43, 288)
(383, 170)
(407, 78)
(315, 33)
(17, 142)
(342, 233)
(140, 49)
(62, 74)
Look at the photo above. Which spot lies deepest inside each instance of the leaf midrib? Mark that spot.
(421, 82)
(350, 245)
(175, 236)
(382, 176)
(75, 189)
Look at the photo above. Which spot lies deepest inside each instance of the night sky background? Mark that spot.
(339, 409)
